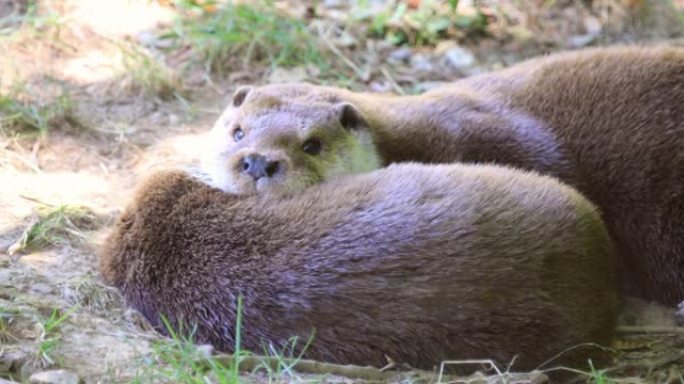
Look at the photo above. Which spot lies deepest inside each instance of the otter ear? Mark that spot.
(349, 116)
(240, 95)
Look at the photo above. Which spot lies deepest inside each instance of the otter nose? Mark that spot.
(258, 166)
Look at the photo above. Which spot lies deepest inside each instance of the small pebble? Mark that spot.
(205, 350)
(443, 46)
(679, 315)
(151, 40)
(174, 119)
(288, 75)
(593, 25)
(59, 376)
(41, 288)
(334, 3)
(400, 55)
(421, 63)
(146, 38)
(579, 41)
(429, 85)
(11, 360)
(460, 58)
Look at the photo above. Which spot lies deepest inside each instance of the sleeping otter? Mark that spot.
(418, 263)
(608, 121)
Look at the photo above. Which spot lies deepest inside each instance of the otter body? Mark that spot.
(418, 263)
(609, 122)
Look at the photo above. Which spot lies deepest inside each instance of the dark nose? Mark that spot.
(258, 166)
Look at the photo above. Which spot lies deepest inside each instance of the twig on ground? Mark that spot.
(649, 329)
(665, 360)
(391, 80)
(249, 363)
(35, 200)
(361, 74)
(561, 353)
(490, 363)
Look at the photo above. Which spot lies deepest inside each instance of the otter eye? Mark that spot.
(238, 134)
(312, 146)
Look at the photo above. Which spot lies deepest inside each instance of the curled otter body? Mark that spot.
(418, 263)
(609, 122)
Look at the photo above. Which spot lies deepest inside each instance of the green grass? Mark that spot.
(287, 358)
(146, 75)
(599, 376)
(55, 225)
(49, 336)
(179, 360)
(35, 19)
(22, 114)
(90, 293)
(238, 338)
(431, 22)
(7, 316)
(238, 35)
(20, 16)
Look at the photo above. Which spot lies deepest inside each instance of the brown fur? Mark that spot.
(610, 122)
(419, 263)
(277, 131)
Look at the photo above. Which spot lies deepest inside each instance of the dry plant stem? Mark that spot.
(488, 363)
(24, 160)
(34, 152)
(677, 356)
(549, 361)
(249, 363)
(650, 365)
(35, 200)
(358, 71)
(393, 83)
(649, 329)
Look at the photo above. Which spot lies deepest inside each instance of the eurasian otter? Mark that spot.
(415, 262)
(608, 121)
(292, 146)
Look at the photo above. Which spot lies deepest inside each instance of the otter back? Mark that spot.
(412, 262)
(608, 121)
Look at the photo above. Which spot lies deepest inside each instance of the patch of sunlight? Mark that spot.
(21, 192)
(92, 67)
(119, 18)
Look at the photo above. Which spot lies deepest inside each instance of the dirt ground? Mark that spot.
(119, 130)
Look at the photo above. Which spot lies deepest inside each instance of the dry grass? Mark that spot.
(88, 292)
(55, 225)
(427, 24)
(7, 318)
(23, 112)
(143, 74)
(238, 36)
(49, 338)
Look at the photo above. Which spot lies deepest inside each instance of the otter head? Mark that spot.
(266, 144)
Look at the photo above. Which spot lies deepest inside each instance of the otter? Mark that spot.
(297, 145)
(418, 263)
(607, 121)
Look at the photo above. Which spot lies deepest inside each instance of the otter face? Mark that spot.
(262, 144)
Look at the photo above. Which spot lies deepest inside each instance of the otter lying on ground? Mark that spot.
(414, 262)
(610, 122)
